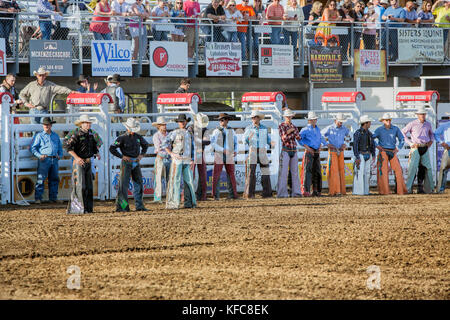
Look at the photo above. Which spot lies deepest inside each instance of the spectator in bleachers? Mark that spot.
(425, 15)
(307, 8)
(45, 11)
(248, 14)
(100, 22)
(274, 14)
(342, 3)
(119, 9)
(233, 16)
(330, 16)
(85, 85)
(396, 15)
(384, 4)
(60, 33)
(348, 17)
(411, 15)
(370, 29)
(138, 31)
(259, 12)
(358, 15)
(441, 10)
(8, 10)
(191, 9)
(293, 15)
(161, 10)
(216, 13)
(378, 8)
(177, 11)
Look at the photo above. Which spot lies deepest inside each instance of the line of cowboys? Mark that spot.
(177, 153)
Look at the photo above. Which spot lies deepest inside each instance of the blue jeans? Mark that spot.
(37, 120)
(275, 35)
(160, 35)
(129, 170)
(393, 43)
(445, 36)
(231, 36)
(46, 29)
(5, 31)
(47, 168)
(102, 36)
(290, 37)
(255, 36)
(242, 36)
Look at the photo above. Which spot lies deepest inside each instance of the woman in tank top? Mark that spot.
(100, 22)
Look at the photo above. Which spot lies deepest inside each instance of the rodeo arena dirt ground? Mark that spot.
(295, 248)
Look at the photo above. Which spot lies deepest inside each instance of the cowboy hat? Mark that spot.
(82, 78)
(421, 110)
(256, 113)
(384, 1)
(41, 71)
(132, 124)
(83, 118)
(223, 116)
(288, 113)
(47, 120)
(181, 118)
(312, 116)
(364, 119)
(340, 117)
(114, 78)
(386, 116)
(201, 120)
(159, 121)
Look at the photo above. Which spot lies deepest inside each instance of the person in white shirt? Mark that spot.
(119, 9)
(293, 15)
(233, 15)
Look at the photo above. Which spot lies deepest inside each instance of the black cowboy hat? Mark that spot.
(223, 116)
(181, 118)
(47, 120)
(82, 78)
(115, 78)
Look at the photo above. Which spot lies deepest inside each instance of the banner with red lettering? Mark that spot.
(223, 59)
(325, 64)
(370, 65)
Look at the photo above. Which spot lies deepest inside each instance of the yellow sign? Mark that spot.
(370, 65)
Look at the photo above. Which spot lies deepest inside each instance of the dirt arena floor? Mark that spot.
(314, 248)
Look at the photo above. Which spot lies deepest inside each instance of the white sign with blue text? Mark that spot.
(110, 57)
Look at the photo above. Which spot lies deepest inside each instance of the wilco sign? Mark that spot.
(109, 57)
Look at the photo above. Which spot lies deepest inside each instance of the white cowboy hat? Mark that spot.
(340, 117)
(256, 113)
(132, 124)
(421, 110)
(159, 121)
(386, 116)
(83, 118)
(201, 120)
(364, 119)
(288, 113)
(41, 71)
(312, 116)
(384, 1)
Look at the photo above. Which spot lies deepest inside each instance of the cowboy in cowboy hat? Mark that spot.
(162, 160)
(442, 136)
(311, 174)
(289, 136)
(38, 94)
(387, 136)
(257, 137)
(47, 147)
(132, 147)
(337, 134)
(114, 89)
(179, 144)
(85, 85)
(364, 152)
(82, 144)
(225, 147)
(419, 135)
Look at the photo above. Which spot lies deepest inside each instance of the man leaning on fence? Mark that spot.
(132, 149)
(82, 144)
(38, 94)
(46, 146)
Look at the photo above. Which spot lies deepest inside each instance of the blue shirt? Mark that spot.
(46, 144)
(43, 6)
(378, 10)
(257, 137)
(336, 136)
(411, 15)
(312, 137)
(442, 133)
(387, 138)
(399, 12)
(228, 132)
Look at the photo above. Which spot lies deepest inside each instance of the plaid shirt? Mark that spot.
(288, 140)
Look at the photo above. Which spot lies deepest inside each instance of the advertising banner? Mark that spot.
(325, 64)
(223, 59)
(370, 65)
(52, 55)
(3, 71)
(109, 57)
(421, 45)
(276, 61)
(168, 59)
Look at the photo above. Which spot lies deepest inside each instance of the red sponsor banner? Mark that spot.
(263, 96)
(88, 98)
(178, 98)
(343, 97)
(417, 96)
(224, 64)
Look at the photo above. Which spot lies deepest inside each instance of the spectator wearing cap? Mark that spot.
(289, 136)
(161, 11)
(179, 144)
(419, 135)
(337, 134)
(37, 94)
(442, 136)
(82, 144)
(393, 16)
(425, 15)
(8, 11)
(46, 146)
(132, 147)
(85, 85)
(275, 14)
(364, 152)
(258, 139)
(386, 138)
(100, 22)
(225, 147)
(311, 175)
(162, 160)
(114, 89)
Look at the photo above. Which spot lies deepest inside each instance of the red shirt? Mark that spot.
(275, 10)
(288, 140)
